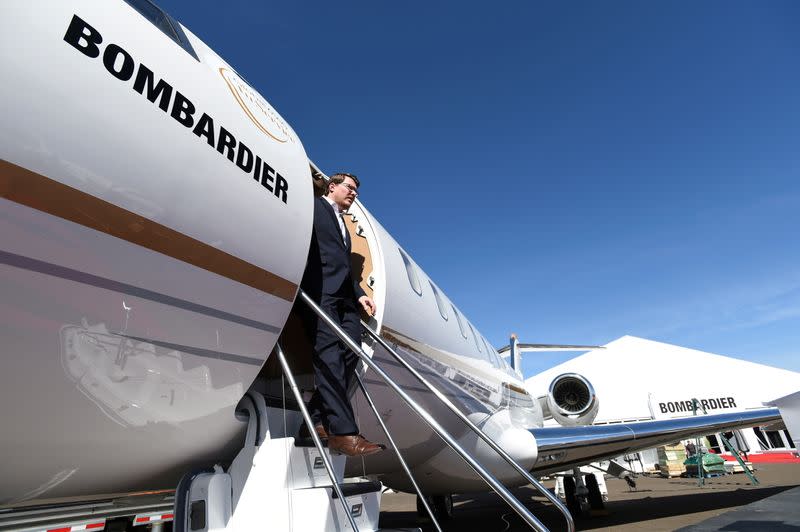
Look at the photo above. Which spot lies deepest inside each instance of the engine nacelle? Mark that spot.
(571, 400)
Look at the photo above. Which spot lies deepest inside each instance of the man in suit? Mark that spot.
(329, 281)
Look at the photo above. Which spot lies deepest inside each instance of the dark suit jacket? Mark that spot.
(328, 266)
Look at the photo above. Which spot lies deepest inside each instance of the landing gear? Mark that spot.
(594, 495)
(442, 506)
(571, 498)
(583, 496)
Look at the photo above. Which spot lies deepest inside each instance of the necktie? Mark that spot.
(345, 235)
(342, 227)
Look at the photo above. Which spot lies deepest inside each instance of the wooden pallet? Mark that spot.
(671, 472)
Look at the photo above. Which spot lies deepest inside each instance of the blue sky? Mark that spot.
(571, 172)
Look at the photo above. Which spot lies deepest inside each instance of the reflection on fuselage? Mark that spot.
(133, 384)
(476, 390)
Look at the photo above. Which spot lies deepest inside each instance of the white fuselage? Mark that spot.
(156, 215)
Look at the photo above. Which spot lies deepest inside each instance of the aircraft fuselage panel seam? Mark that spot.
(54, 270)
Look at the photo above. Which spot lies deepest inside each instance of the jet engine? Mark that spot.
(571, 400)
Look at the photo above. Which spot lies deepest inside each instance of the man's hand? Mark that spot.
(368, 305)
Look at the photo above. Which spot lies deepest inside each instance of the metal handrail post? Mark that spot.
(397, 452)
(735, 453)
(701, 479)
(317, 442)
(453, 408)
(495, 484)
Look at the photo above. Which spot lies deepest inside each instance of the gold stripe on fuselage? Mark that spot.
(38, 192)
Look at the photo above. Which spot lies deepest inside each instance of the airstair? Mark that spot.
(279, 482)
(276, 483)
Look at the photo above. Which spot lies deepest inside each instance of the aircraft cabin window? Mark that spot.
(411, 272)
(492, 354)
(460, 322)
(160, 19)
(497, 358)
(439, 301)
(475, 337)
(507, 366)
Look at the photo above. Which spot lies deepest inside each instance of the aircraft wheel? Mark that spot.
(571, 498)
(586, 509)
(421, 511)
(595, 497)
(442, 506)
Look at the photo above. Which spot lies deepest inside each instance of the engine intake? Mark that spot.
(571, 400)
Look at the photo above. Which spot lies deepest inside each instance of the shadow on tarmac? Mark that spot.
(487, 512)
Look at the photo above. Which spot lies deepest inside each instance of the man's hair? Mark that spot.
(338, 178)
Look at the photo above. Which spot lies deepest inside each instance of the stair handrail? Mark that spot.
(493, 483)
(477, 430)
(397, 452)
(314, 436)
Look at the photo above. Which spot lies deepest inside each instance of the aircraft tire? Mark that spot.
(595, 497)
(422, 513)
(443, 506)
(570, 497)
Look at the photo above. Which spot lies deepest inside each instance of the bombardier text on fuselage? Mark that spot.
(120, 64)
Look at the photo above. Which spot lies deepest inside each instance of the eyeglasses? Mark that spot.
(349, 187)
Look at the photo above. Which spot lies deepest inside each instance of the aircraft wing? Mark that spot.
(562, 448)
(525, 348)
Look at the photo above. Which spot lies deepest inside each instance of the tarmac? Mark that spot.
(727, 503)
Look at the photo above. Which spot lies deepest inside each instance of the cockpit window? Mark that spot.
(160, 19)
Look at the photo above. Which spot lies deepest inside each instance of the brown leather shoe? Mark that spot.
(321, 432)
(353, 445)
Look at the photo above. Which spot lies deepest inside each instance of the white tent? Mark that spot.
(638, 379)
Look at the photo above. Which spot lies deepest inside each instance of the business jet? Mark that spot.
(156, 217)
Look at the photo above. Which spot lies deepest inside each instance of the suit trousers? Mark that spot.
(334, 367)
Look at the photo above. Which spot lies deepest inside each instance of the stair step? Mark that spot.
(313, 509)
(358, 488)
(308, 470)
(308, 442)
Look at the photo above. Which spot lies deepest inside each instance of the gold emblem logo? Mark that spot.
(256, 108)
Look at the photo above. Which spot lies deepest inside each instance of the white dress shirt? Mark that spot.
(338, 217)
